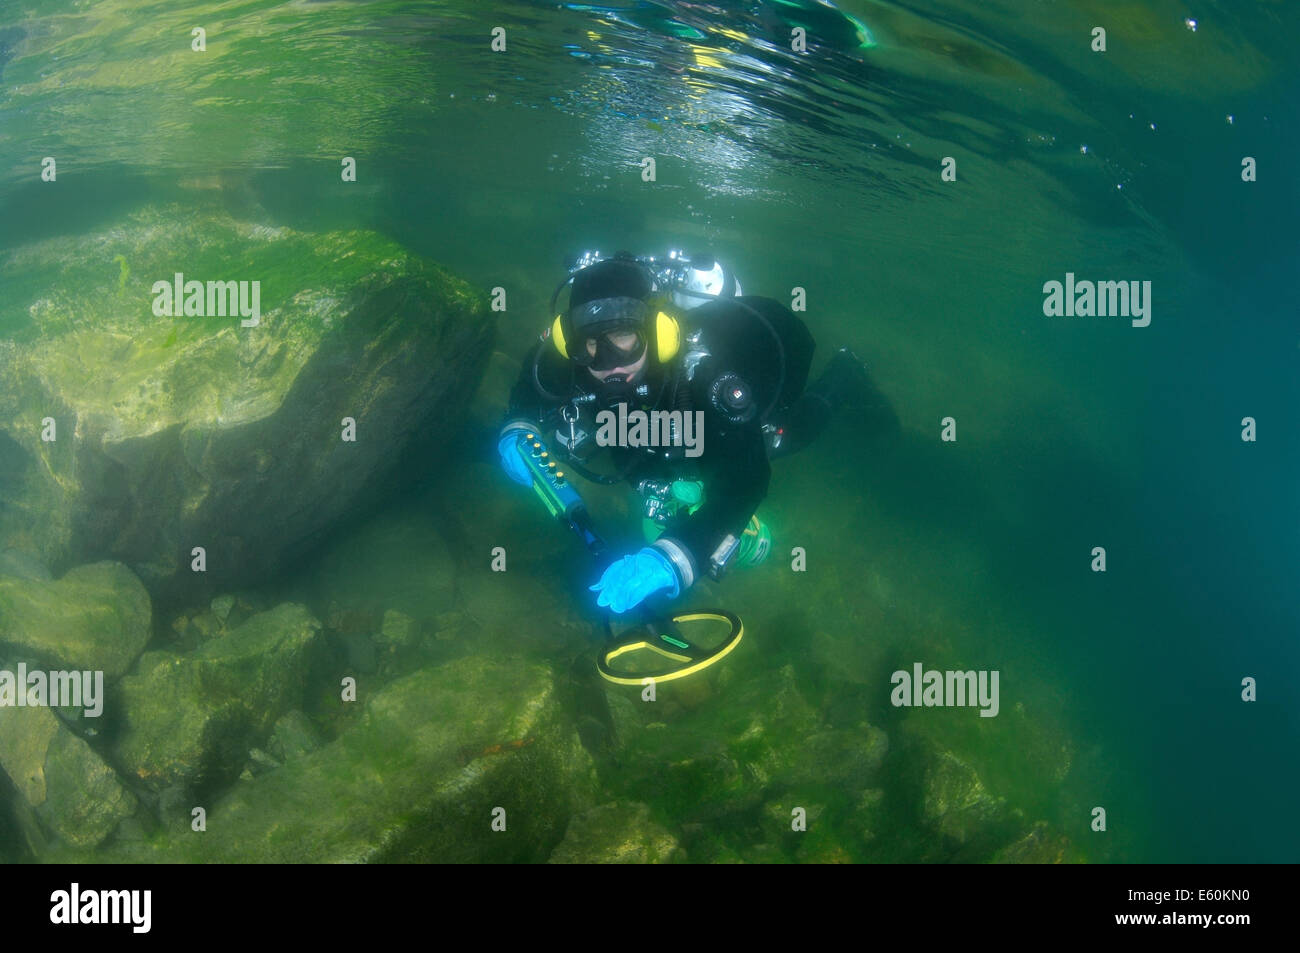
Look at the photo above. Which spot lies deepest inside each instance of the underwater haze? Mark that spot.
(1104, 510)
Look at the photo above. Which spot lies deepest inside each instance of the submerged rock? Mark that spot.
(417, 778)
(221, 607)
(191, 631)
(294, 735)
(1041, 845)
(178, 432)
(96, 618)
(970, 781)
(617, 833)
(396, 642)
(842, 758)
(957, 803)
(758, 743)
(195, 626)
(398, 631)
(868, 815)
(67, 786)
(190, 719)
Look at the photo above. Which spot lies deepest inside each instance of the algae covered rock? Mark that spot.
(617, 833)
(731, 750)
(1040, 845)
(96, 618)
(67, 786)
(956, 801)
(868, 816)
(419, 777)
(136, 436)
(968, 782)
(293, 736)
(753, 759)
(190, 719)
(848, 759)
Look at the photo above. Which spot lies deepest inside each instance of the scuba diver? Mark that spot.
(675, 334)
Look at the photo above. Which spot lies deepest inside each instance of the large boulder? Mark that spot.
(177, 432)
(189, 720)
(418, 777)
(62, 782)
(96, 618)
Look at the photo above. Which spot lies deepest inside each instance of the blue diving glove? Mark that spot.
(511, 461)
(631, 579)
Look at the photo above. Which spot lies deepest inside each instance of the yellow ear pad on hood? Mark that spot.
(557, 336)
(667, 336)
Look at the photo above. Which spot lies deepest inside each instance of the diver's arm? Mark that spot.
(527, 407)
(677, 559)
(733, 491)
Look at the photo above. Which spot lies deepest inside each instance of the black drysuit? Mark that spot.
(733, 466)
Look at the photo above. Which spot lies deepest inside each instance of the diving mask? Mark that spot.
(608, 332)
(618, 347)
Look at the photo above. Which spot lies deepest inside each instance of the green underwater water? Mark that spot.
(822, 171)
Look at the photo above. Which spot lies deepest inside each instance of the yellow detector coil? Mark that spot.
(668, 642)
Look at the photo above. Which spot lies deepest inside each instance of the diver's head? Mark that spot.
(610, 323)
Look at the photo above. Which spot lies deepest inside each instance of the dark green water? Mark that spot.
(822, 170)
